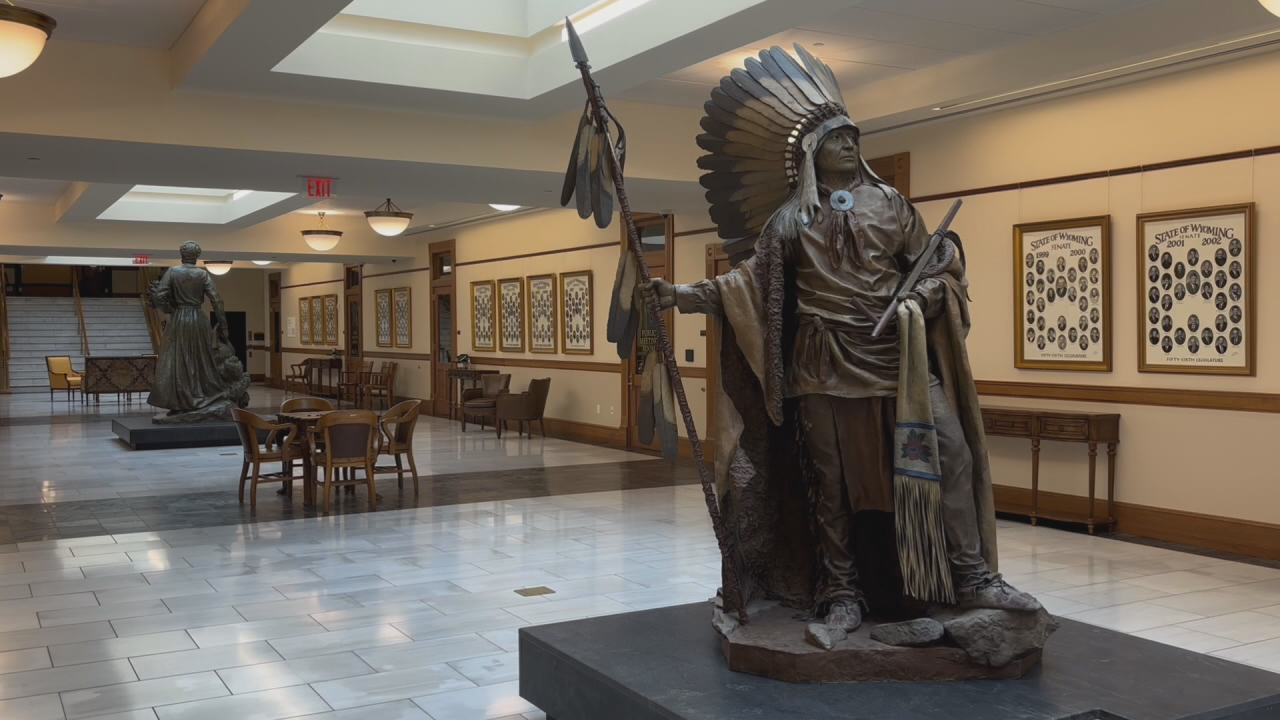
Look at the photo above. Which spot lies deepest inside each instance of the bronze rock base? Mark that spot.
(773, 645)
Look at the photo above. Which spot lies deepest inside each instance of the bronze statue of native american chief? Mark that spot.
(850, 468)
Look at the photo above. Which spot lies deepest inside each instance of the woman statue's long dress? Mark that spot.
(198, 376)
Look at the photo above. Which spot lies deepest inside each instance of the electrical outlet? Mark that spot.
(610, 409)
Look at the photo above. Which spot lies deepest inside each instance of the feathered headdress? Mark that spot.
(763, 125)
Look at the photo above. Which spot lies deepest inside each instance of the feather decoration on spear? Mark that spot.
(595, 177)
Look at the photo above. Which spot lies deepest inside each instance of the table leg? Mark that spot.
(450, 381)
(1093, 476)
(1111, 482)
(308, 469)
(1035, 479)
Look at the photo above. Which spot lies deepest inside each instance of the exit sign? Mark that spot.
(141, 259)
(319, 187)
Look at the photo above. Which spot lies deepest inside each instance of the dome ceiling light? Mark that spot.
(504, 208)
(23, 34)
(218, 267)
(1272, 6)
(322, 239)
(262, 262)
(388, 220)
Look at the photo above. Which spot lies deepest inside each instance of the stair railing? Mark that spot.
(75, 293)
(150, 313)
(4, 336)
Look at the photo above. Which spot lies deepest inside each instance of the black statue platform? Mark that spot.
(139, 433)
(666, 664)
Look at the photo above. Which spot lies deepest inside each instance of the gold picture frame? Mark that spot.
(577, 313)
(1196, 291)
(1062, 295)
(402, 317)
(511, 320)
(541, 303)
(304, 320)
(317, 320)
(382, 322)
(484, 323)
(331, 315)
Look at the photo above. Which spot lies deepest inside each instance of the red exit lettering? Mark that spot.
(319, 187)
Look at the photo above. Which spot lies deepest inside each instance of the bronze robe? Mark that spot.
(188, 377)
(763, 483)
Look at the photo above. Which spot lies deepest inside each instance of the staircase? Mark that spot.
(39, 327)
(116, 326)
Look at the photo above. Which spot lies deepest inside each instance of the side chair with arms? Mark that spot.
(398, 425)
(277, 447)
(379, 386)
(525, 408)
(351, 383)
(347, 440)
(299, 378)
(482, 402)
(62, 376)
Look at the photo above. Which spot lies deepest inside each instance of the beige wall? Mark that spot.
(1203, 461)
(413, 376)
(308, 279)
(242, 290)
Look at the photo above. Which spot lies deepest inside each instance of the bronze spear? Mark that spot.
(732, 594)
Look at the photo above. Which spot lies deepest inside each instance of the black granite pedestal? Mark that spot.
(666, 664)
(139, 433)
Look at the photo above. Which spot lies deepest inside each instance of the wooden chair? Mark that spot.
(62, 376)
(482, 402)
(351, 383)
(398, 425)
(299, 377)
(525, 408)
(379, 386)
(273, 449)
(349, 440)
(305, 404)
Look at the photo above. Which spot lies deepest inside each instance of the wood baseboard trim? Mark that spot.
(1158, 397)
(257, 377)
(396, 355)
(578, 365)
(1246, 537)
(585, 433)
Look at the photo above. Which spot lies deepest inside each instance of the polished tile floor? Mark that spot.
(412, 613)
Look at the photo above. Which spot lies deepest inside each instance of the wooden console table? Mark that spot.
(456, 377)
(1080, 427)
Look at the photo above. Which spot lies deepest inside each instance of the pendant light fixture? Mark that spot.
(322, 239)
(23, 34)
(218, 267)
(388, 220)
(1272, 6)
(262, 262)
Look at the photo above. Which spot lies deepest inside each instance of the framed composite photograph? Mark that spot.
(484, 326)
(1062, 294)
(511, 315)
(402, 316)
(382, 317)
(576, 328)
(304, 320)
(330, 319)
(317, 320)
(1196, 291)
(540, 301)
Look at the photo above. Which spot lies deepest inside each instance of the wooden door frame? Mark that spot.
(275, 343)
(669, 223)
(440, 282)
(352, 282)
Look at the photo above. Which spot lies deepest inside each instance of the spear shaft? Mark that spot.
(732, 591)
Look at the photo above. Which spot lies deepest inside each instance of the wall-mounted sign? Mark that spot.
(141, 259)
(319, 187)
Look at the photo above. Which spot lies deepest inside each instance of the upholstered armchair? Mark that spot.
(62, 376)
(524, 408)
(482, 402)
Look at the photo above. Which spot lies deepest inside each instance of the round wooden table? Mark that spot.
(305, 422)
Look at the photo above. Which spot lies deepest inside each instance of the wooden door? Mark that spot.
(444, 332)
(656, 235)
(351, 279)
(276, 380)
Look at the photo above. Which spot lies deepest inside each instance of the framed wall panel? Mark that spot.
(1196, 291)
(304, 319)
(382, 317)
(511, 320)
(402, 316)
(484, 326)
(541, 303)
(577, 328)
(1062, 294)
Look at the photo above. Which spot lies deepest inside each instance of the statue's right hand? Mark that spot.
(661, 291)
